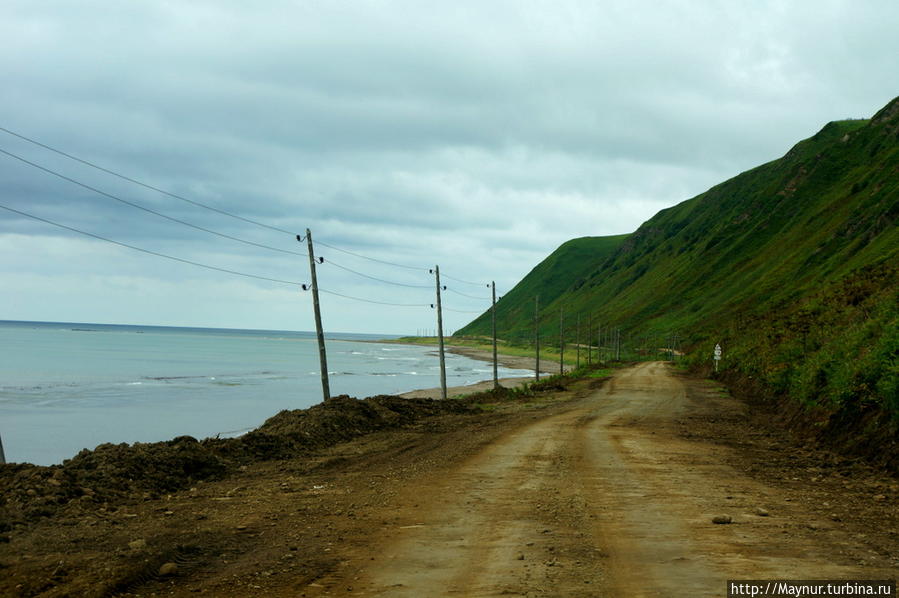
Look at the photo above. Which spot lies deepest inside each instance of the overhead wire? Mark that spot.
(373, 301)
(201, 265)
(399, 284)
(148, 251)
(452, 290)
(207, 230)
(365, 257)
(144, 208)
(477, 284)
(190, 201)
(142, 184)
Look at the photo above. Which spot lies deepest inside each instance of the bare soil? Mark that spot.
(608, 488)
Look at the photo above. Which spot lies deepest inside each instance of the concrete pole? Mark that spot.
(3, 455)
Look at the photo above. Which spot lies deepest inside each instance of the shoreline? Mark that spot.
(510, 361)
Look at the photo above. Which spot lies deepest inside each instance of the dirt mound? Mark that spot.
(122, 472)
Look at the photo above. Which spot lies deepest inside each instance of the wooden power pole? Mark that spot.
(436, 272)
(589, 340)
(577, 341)
(537, 333)
(561, 344)
(322, 355)
(493, 314)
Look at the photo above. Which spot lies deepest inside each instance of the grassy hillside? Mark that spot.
(573, 261)
(791, 266)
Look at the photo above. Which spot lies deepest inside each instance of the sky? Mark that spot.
(473, 135)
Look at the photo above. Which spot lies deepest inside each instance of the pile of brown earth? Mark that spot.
(122, 472)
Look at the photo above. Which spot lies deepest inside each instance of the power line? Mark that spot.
(190, 201)
(373, 301)
(452, 290)
(365, 257)
(207, 207)
(145, 209)
(147, 251)
(477, 284)
(142, 184)
(462, 311)
(399, 284)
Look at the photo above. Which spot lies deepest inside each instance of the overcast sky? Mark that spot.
(474, 135)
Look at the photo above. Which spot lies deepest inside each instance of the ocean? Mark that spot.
(65, 387)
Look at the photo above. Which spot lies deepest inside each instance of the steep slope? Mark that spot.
(791, 266)
(573, 261)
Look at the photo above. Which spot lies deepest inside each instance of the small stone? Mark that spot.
(722, 519)
(521, 557)
(169, 513)
(137, 544)
(880, 497)
(761, 512)
(168, 569)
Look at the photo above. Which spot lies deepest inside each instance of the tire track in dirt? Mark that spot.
(601, 499)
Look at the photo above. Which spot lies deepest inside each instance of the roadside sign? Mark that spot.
(717, 355)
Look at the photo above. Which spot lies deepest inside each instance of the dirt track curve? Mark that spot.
(601, 499)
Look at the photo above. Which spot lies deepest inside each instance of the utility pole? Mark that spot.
(561, 345)
(599, 358)
(589, 341)
(436, 272)
(3, 456)
(537, 333)
(493, 312)
(577, 341)
(618, 344)
(322, 355)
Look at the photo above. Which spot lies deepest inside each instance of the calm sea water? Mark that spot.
(64, 387)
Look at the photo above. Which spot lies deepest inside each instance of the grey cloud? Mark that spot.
(477, 135)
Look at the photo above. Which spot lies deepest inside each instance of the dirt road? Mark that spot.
(603, 490)
(601, 499)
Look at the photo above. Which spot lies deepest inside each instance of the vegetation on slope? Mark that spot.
(550, 279)
(791, 267)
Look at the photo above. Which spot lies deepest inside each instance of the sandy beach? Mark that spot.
(510, 361)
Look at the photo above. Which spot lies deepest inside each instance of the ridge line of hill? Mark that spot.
(790, 266)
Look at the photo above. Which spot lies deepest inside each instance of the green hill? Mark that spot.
(791, 266)
(550, 279)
